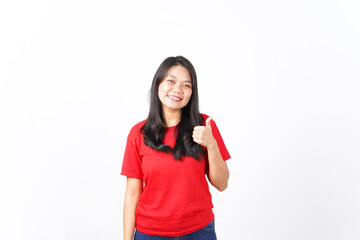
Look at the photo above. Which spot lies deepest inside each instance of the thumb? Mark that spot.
(208, 121)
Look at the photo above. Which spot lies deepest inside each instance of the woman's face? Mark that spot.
(175, 89)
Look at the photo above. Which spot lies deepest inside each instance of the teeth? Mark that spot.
(174, 97)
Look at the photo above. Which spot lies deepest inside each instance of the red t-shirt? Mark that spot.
(176, 199)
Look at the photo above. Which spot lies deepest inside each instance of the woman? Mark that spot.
(166, 159)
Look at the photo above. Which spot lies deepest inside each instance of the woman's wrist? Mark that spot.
(213, 145)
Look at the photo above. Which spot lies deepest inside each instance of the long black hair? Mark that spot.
(154, 128)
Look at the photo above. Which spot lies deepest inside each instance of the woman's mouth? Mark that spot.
(174, 98)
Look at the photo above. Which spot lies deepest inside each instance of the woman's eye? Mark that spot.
(170, 80)
(187, 86)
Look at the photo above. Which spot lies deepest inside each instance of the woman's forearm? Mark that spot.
(130, 204)
(218, 171)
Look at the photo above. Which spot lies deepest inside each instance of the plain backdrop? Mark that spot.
(280, 79)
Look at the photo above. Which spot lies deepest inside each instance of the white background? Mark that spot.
(280, 78)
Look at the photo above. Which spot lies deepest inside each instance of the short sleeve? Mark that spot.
(131, 165)
(220, 142)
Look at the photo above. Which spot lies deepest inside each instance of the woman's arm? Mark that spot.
(218, 172)
(134, 187)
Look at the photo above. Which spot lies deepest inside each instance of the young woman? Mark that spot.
(166, 159)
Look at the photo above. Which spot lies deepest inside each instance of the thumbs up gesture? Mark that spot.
(203, 134)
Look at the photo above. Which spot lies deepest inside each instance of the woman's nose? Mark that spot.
(177, 88)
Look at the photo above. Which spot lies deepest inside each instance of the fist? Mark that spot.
(203, 134)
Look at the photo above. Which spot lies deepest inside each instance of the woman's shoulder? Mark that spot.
(205, 116)
(135, 129)
(140, 124)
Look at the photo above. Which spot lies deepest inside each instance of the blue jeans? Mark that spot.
(206, 233)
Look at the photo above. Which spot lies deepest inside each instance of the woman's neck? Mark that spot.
(171, 118)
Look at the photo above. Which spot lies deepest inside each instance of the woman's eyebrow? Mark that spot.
(177, 78)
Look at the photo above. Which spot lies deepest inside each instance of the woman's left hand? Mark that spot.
(203, 134)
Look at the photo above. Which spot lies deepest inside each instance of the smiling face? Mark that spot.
(175, 89)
